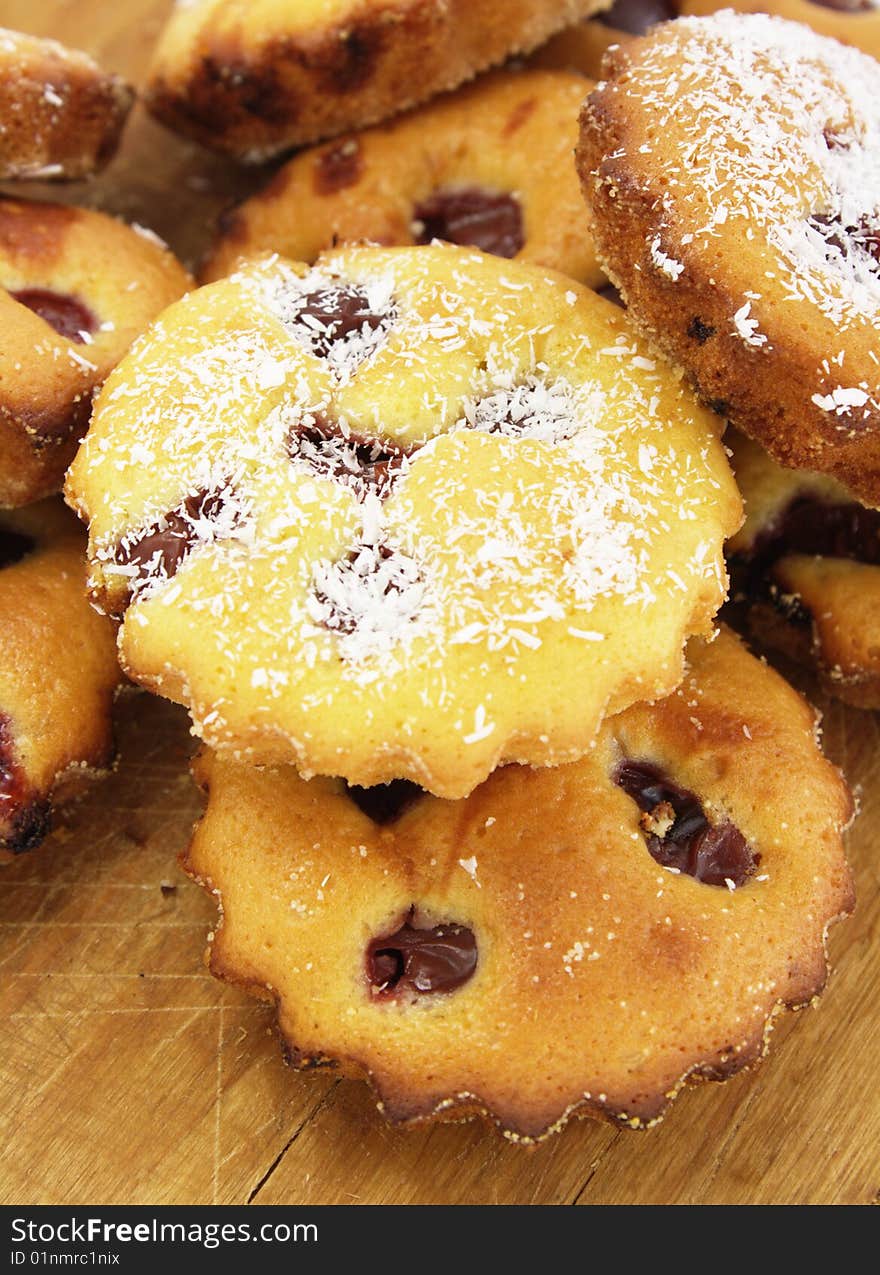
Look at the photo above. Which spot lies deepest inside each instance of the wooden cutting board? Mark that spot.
(128, 1075)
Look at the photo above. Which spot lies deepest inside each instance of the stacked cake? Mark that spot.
(419, 505)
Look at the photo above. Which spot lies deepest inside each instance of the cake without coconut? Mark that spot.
(60, 115)
(807, 565)
(577, 940)
(254, 80)
(731, 167)
(409, 513)
(76, 288)
(488, 167)
(58, 673)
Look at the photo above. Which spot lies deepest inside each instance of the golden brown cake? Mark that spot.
(489, 166)
(807, 565)
(58, 672)
(257, 79)
(578, 940)
(76, 288)
(731, 166)
(409, 512)
(60, 115)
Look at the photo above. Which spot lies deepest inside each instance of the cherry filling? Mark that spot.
(678, 833)
(635, 16)
(23, 822)
(811, 526)
(334, 314)
(846, 6)
(385, 803)
(13, 547)
(66, 314)
(473, 218)
(412, 960)
(360, 463)
(843, 240)
(159, 550)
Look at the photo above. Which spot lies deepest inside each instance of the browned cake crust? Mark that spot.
(76, 288)
(61, 116)
(571, 973)
(738, 224)
(256, 80)
(58, 673)
(489, 166)
(806, 563)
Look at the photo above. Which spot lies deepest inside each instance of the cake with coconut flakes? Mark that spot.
(731, 167)
(581, 939)
(406, 513)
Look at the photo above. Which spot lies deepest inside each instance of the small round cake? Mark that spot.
(807, 565)
(581, 940)
(257, 79)
(488, 167)
(731, 166)
(61, 116)
(406, 513)
(76, 288)
(58, 672)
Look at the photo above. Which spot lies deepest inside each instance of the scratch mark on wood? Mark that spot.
(218, 1107)
(594, 1167)
(126, 926)
(321, 1103)
(139, 1009)
(110, 974)
(22, 942)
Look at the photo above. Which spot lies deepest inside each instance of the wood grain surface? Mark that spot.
(128, 1075)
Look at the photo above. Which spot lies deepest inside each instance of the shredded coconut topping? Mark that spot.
(372, 598)
(483, 477)
(328, 317)
(535, 409)
(665, 264)
(777, 134)
(747, 328)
